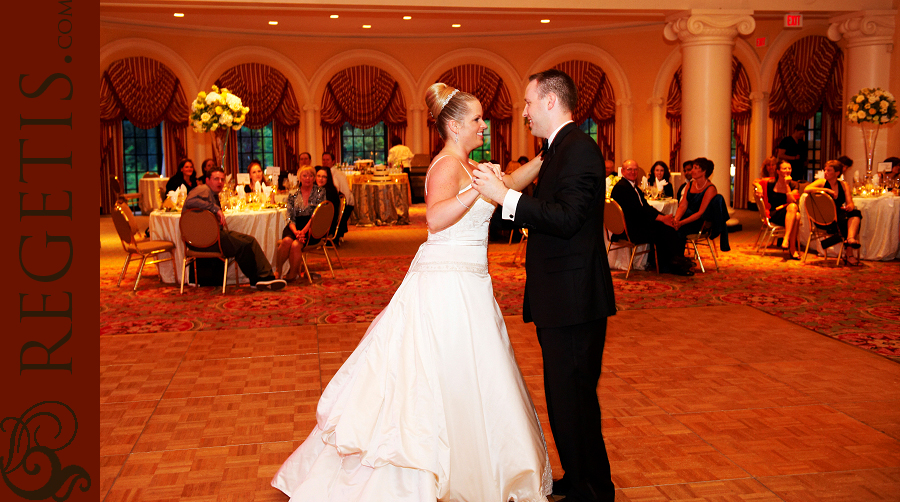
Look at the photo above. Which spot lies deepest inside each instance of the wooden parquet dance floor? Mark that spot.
(709, 403)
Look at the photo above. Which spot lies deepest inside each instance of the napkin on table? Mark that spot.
(660, 184)
(643, 182)
(266, 190)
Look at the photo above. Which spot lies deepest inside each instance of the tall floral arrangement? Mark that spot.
(872, 105)
(217, 108)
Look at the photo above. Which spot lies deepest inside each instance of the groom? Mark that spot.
(568, 289)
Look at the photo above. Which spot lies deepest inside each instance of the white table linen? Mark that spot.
(265, 226)
(879, 230)
(149, 190)
(618, 259)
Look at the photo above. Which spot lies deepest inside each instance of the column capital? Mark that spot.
(656, 101)
(865, 27)
(709, 26)
(623, 102)
(417, 108)
(759, 95)
(311, 108)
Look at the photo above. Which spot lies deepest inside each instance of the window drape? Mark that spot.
(741, 114)
(810, 76)
(146, 92)
(363, 96)
(596, 100)
(270, 97)
(487, 86)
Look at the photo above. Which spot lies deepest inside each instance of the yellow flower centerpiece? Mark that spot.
(870, 108)
(217, 108)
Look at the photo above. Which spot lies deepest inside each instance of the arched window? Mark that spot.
(362, 97)
(273, 124)
(141, 94)
(596, 102)
(809, 81)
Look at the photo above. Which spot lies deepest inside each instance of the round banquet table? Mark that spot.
(618, 259)
(149, 190)
(381, 203)
(879, 230)
(265, 225)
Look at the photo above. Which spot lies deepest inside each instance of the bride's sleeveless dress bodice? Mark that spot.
(431, 404)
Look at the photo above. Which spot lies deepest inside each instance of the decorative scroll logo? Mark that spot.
(32, 469)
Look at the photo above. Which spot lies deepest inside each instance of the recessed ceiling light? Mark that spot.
(367, 26)
(179, 14)
(407, 18)
(545, 21)
(334, 16)
(456, 25)
(273, 23)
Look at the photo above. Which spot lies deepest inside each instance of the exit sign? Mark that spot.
(793, 20)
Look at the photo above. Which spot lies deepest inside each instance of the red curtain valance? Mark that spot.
(363, 96)
(270, 97)
(487, 86)
(810, 76)
(146, 92)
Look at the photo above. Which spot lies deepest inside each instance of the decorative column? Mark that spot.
(309, 114)
(869, 35)
(759, 106)
(625, 130)
(414, 128)
(707, 43)
(658, 151)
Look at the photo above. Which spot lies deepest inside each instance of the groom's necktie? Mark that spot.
(543, 148)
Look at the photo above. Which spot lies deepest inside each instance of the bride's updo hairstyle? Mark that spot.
(445, 104)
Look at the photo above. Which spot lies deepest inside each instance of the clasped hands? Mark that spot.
(488, 181)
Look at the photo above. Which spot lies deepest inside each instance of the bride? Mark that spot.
(431, 405)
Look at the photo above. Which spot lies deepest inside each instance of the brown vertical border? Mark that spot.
(64, 404)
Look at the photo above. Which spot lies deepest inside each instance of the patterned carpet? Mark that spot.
(858, 305)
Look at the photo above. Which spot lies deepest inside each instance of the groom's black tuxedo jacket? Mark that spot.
(567, 272)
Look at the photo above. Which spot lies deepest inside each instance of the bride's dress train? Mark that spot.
(431, 404)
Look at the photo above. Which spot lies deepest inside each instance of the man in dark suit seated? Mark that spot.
(646, 224)
(242, 247)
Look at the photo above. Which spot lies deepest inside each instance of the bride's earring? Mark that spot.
(457, 138)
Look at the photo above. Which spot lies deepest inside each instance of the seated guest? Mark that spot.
(686, 167)
(646, 224)
(399, 154)
(892, 178)
(244, 248)
(660, 172)
(511, 166)
(343, 186)
(689, 215)
(185, 176)
(323, 180)
(610, 166)
(522, 160)
(848, 217)
(204, 170)
(846, 161)
(769, 166)
(782, 199)
(300, 206)
(256, 175)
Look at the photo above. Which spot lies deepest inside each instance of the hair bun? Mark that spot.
(437, 96)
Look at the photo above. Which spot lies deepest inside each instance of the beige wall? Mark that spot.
(638, 60)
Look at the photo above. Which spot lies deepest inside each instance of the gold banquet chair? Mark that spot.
(331, 236)
(703, 237)
(820, 210)
(118, 192)
(522, 247)
(200, 232)
(319, 225)
(135, 245)
(768, 231)
(614, 221)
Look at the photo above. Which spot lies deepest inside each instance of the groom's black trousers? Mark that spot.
(572, 357)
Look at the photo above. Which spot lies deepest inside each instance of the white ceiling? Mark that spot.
(386, 18)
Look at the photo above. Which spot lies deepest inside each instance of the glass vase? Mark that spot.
(870, 135)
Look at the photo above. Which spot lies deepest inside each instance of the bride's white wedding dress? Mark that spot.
(431, 405)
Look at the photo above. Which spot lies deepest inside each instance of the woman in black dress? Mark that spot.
(185, 176)
(325, 181)
(782, 196)
(848, 217)
(659, 172)
(689, 215)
